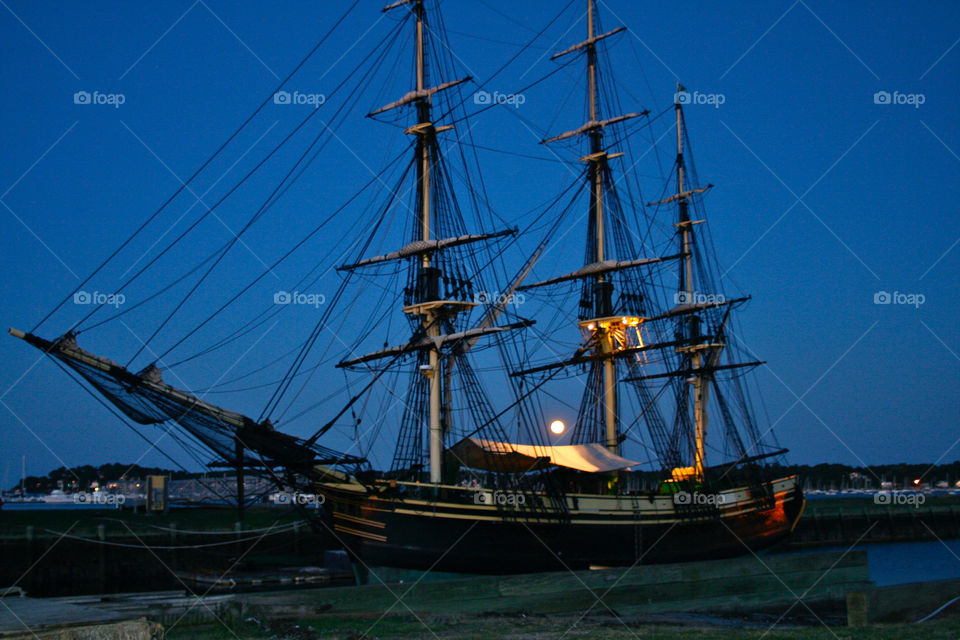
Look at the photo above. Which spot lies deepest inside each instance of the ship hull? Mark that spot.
(443, 535)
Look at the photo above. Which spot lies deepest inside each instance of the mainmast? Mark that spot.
(606, 333)
(604, 288)
(596, 161)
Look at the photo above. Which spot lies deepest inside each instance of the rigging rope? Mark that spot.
(206, 163)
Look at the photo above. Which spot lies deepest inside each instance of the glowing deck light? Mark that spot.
(557, 427)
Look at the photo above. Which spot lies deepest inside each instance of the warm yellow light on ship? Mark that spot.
(591, 326)
(557, 427)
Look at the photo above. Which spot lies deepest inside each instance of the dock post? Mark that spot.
(102, 558)
(32, 554)
(174, 556)
(240, 482)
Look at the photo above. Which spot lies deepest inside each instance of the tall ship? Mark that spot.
(458, 334)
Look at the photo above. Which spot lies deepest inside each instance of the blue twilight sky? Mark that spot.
(834, 151)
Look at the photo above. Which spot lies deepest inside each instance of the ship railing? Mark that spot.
(511, 502)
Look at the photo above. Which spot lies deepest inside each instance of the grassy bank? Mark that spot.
(831, 506)
(84, 522)
(539, 627)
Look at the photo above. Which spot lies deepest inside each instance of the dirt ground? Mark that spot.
(409, 627)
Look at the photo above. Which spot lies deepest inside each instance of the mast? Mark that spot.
(700, 383)
(596, 160)
(605, 332)
(603, 288)
(428, 301)
(435, 295)
(430, 319)
(423, 150)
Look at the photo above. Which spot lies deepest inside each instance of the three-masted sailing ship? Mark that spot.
(478, 487)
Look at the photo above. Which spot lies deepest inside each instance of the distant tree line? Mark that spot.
(81, 478)
(841, 476)
(837, 476)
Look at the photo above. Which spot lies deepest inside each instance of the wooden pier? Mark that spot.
(845, 521)
(22, 618)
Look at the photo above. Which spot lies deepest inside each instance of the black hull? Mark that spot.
(383, 533)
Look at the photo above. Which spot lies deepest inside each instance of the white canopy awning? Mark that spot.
(491, 455)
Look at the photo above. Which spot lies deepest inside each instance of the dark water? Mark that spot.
(65, 506)
(899, 562)
(72, 506)
(902, 562)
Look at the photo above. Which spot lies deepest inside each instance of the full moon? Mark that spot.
(557, 426)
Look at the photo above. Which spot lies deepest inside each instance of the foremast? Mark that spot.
(428, 305)
(440, 278)
(426, 134)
